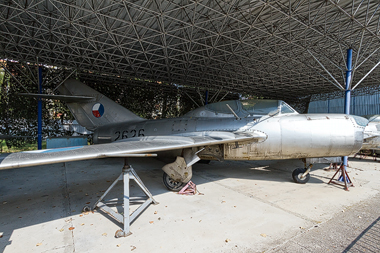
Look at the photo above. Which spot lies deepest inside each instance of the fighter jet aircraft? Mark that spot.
(372, 133)
(252, 129)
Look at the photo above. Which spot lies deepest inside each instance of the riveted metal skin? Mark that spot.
(372, 133)
(253, 129)
(288, 136)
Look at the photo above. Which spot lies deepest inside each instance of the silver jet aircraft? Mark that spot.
(372, 133)
(229, 130)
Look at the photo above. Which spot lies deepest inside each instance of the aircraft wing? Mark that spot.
(137, 145)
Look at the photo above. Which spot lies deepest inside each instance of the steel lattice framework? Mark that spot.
(267, 48)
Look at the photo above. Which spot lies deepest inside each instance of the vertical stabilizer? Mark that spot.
(96, 112)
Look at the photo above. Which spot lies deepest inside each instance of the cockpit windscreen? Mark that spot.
(243, 108)
(260, 107)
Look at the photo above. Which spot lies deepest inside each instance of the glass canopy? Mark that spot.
(243, 108)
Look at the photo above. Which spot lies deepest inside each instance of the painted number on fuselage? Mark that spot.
(125, 134)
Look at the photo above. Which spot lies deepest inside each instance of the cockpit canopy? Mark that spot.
(372, 118)
(242, 108)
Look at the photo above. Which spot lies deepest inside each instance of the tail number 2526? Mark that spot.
(128, 134)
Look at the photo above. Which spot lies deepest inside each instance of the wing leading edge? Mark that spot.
(138, 145)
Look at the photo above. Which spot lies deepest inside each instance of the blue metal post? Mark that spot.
(39, 109)
(328, 105)
(206, 97)
(347, 97)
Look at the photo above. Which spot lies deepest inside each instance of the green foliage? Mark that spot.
(18, 114)
(25, 147)
(2, 73)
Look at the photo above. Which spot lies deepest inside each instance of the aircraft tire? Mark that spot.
(297, 173)
(171, 184)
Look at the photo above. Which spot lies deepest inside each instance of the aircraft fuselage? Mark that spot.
(288, 136)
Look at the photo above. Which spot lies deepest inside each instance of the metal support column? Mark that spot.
(347, 97)
(328, 105)
(39, 108)
(206, 97)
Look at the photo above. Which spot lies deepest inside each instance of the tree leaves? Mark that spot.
(18, 114)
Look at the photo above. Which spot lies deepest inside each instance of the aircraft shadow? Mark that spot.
(40, 194)
(368, 240)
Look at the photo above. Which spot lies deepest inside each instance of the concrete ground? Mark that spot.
(243, 207)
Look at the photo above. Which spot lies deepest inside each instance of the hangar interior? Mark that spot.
(294, 50)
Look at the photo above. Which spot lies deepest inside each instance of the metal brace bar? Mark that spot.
(107, 191)
(13, 76)
(215, 95)
(224, 96)
(357, 58)
(326, 70)
(126, 218)
(138, 211)
(366, 75)
(329, 80)
(110, 211)
(25, 74)
(200, 95)
(64, 80)
(367, 57)
(191, 98)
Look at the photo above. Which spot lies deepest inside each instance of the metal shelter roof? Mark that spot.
(266, 48)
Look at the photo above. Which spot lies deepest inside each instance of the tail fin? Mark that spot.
(95, 112)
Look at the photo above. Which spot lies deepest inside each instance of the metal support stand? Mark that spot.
(333, 166)
(344, 176)
(363, 154)
(126, 218)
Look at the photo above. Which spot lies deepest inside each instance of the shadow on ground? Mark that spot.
(35, 195)
(368, 240)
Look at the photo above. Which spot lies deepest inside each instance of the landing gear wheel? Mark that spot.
(297, 173)
(171, 184)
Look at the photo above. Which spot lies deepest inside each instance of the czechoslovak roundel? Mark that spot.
(98, 110)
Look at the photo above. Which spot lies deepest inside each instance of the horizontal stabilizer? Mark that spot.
(66, 98)
(8, 137)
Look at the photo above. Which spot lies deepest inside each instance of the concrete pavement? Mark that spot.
(244, 207)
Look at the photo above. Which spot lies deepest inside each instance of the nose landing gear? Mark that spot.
(171, 184)
(298, 176)
(302, 175)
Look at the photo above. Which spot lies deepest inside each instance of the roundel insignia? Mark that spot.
(98, 110)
